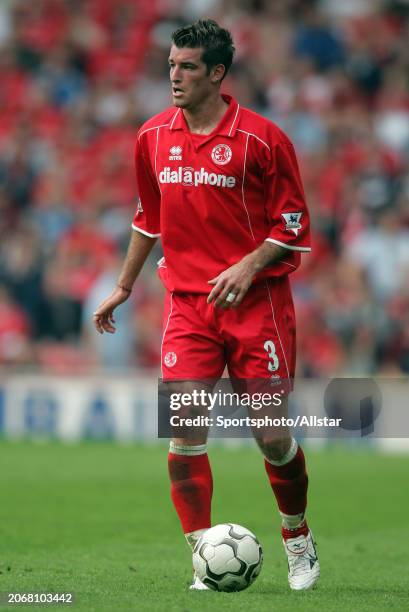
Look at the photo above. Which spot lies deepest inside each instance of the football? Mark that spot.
(227, 557)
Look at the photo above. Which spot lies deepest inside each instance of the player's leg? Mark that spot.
(264, 353)
(189, 468)
(289, 481)
(192, 360)
(284, 463)
(285, 466)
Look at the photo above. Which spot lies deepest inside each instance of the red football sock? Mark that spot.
(191, 490)
(289, 483)
(294, 533)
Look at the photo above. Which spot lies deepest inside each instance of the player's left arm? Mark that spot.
(289, 227)
(238, 278)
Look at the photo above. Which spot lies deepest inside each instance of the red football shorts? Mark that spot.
(255, 340)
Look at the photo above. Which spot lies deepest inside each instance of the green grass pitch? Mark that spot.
(96, 519)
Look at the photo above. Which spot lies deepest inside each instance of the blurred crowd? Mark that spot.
(77, 78)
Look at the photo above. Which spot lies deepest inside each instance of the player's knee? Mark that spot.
(274, 449)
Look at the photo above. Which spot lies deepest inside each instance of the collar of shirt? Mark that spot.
(226, 127)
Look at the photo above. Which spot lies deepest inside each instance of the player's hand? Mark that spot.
(232, 284)
(103, 318)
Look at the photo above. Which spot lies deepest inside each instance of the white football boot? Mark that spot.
(192, 539)
(197, 584)
(303, 566)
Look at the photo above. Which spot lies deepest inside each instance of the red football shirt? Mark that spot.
(215, 198)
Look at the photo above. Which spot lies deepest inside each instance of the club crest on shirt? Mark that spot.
(221, 154)
(292, 221)
(170, 359)
(175, 153)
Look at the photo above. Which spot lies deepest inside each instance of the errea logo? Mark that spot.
(175, 153)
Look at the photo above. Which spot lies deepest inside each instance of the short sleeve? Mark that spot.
(286, 207)
(147, 215)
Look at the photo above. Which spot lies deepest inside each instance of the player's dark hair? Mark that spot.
(216, 42)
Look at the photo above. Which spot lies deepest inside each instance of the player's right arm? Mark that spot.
(146, 226)
(138, 250)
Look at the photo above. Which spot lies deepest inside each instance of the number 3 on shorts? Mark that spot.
(274, 364)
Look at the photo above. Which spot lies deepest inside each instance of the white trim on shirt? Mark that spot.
(234, 120)
(243, 199)
(251, 134)
(174, 117)
(287, 246)
(141, 231)
(152, 128)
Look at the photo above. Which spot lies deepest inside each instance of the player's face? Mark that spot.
(189, 79)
